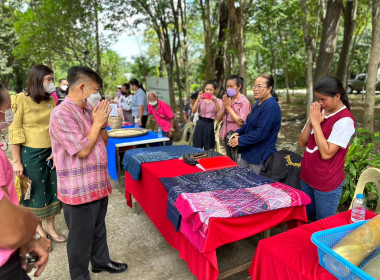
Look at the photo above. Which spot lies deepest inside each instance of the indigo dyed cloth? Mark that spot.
(222, 179)
(134, 158)
(197, 208)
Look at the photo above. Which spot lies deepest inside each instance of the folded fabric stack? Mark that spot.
(134, 158)
(230, 192)
(222, 179)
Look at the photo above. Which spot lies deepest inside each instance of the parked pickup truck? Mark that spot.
(358, 84)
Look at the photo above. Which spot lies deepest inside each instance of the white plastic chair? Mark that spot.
(217, 127)
(189, 128)
(370, 175)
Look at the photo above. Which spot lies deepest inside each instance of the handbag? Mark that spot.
(24, 185)
(192, 158)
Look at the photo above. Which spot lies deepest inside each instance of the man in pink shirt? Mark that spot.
(79, 140)
(163, 115)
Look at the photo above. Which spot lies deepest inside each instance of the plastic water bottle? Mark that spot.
(358, 209)
(159, 132)
(136, 122)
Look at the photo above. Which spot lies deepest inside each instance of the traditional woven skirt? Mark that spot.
(43, 200)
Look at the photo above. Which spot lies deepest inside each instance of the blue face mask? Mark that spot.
(231, 92)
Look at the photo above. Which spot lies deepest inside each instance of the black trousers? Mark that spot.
(12, 269)
(204, 134)
(87, 240)
(144, 119)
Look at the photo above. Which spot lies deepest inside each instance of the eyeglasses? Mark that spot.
(258, 86)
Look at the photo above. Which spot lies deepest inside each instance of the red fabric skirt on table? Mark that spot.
(291, 255)
(152, 197)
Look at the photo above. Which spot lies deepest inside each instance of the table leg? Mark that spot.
(118, 171)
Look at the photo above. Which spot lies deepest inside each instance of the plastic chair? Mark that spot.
(217, 127)
(189, 128)
(370, 175)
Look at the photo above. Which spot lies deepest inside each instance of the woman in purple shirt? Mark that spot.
(207, 106)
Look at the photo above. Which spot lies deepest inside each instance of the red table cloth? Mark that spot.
(292, 255)
(152, 197)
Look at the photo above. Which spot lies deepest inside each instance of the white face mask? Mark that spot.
(64, 87)
(93, 99)
(49, 88)
(8, 119)
(153, 103)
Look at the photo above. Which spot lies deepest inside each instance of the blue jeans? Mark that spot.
(323, 204)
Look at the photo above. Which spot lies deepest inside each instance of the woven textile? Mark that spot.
(222, 179)
(198, 208)
(134, 158)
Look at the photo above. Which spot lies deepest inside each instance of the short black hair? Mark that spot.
(194, 95)
(63, 79)
(126, 85)
(79, 73)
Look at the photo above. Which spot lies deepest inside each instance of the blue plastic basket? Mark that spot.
(334, 263)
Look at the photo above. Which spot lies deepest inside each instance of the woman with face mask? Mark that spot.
(17, 238)
(31, 148)
(257, 138)
(234, 111)
(163, 115)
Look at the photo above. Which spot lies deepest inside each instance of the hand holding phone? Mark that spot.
(206, 95)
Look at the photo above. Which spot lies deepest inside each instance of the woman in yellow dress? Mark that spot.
(31, 148)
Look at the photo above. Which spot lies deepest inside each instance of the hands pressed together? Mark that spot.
(226, 101)
(316, 116)
(101, 113)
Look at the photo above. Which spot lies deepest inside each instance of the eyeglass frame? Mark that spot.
(259, 87)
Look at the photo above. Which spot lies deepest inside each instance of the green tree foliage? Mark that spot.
(52, 30)
(7, 40)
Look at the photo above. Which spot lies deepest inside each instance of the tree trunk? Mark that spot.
(373, 66)
(349, 26)
(221, 57)
(98, 62)
(328, 41)
(206, 20)
(186, 48)
(236, 27)
(309, 54)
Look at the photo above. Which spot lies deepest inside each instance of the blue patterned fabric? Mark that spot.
(222, 179)
(134, 158)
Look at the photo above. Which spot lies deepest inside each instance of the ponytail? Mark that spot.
(331, 86)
